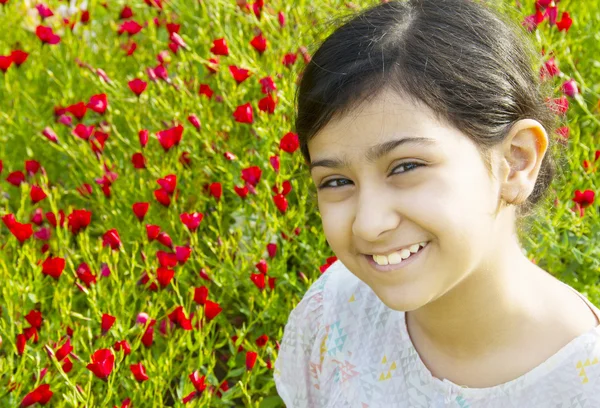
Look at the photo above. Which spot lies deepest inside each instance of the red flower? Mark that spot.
(565, 22)
(272, 249)
(267, 85)
(220, 47)
(78, 220)
(199, 384)
(239, 74)
(102, 363)
(137, 86)
(82, 131)
(37, 194)
(140, 210)
(558, 105)
(250, 359)
(258, 279)
(49, 133)
(126, 13)
(16, 178)
(584, 199)
(107, 322)
(182, 254)
(148, 336)
(259, 43)
(241, 191)
(111, 238)
(551, 13)
(34, 318)
(168, 183)
(170, 137)
(131, 27)
(123, 345)
(139, 372)
(262, 266)
(178, 317)
(53, 266)
(21, 341)
(211, 309)
(531, 22)
(281, 202)
(20, 231)
(5, 62)
(85, 274)
(138, 160)
(173, 28)
(85, 16)
(200, 295)
(19, 56)
(41, 394)
(191, 220)
(289, 142)
(152, 231)
(289, 59)
(328, 262)
(46, 35)
(243, 114)
(274, 160)
(262, 340)
(216, 190)
(570, 88)
(166, 259)
(98, 103)
(176, 39)
(44, 11)
(252, 175)
(267, 104)
(193, 119)
(78, 110)
(205, 90)
(164, 275)
(143, 136)
(165, 239)
(63, 351)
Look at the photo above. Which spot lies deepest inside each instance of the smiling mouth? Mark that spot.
(395, 263)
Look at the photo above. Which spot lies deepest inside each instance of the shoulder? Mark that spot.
(319, 300)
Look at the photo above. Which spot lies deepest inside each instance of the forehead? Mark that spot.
(387, 117)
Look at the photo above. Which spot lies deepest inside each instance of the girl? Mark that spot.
(427, 135)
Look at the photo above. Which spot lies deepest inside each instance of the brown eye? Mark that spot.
(408, 165)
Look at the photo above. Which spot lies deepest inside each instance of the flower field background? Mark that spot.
(158, 221)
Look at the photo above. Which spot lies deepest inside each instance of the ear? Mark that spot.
(521, 159)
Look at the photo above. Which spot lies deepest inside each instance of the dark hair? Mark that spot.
(473, 67)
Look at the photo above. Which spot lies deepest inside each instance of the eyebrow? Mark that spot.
(375, 152)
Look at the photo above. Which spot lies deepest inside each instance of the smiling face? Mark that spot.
(434, 188)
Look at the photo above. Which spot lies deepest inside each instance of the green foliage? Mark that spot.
(234, 233)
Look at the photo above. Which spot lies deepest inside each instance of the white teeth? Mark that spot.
(394, 258)
(380, 259)
(397, 257)
(405, 253)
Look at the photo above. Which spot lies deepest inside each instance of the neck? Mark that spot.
(486, 311)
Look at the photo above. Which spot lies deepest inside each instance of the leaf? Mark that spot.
(270, 402)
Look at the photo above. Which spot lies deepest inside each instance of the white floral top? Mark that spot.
(342, 347)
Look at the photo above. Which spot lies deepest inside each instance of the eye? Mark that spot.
(411, 165)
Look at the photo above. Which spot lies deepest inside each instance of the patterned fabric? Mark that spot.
(342, 347)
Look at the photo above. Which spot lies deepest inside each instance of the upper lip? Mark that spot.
(395, 250)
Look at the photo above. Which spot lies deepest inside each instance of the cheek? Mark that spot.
(336, 223)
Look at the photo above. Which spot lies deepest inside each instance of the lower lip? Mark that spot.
(404, 263)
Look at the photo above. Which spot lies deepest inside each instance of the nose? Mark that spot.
(375, 214)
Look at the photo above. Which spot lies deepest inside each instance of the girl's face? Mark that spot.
(437, 191)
